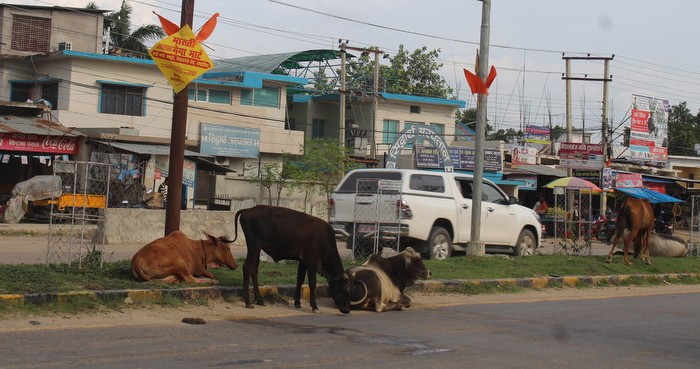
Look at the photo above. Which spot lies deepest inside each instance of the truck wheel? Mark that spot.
(439, 244)
(526, 244)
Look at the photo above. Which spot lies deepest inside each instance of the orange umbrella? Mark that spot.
(574, 183)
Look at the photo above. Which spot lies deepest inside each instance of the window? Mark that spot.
(290, 124)
(268, 97)
(390, 131)
(430, 183)
(122, 99)
(318, 128)
(31, 34)
(491, 194)
(465, 187)
(24, 91)
(211, 95)
(415, 109)
(438, 128)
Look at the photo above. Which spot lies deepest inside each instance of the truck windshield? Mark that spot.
(350, 184)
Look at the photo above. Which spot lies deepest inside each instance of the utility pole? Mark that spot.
(475, 247)
(177, 141)
(341, 123)
(606, 78)
(375, 91)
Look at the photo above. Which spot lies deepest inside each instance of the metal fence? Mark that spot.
(377, 217)
(573, 221)
(77, 215)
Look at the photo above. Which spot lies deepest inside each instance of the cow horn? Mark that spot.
(358, 302)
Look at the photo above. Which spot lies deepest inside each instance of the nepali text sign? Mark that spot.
(220, 140)
(462, 158)
(649, 129)
(38, 143)
(181, 58)
(581, 155)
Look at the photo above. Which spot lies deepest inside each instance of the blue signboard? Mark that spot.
(462, 158)
(220, 140)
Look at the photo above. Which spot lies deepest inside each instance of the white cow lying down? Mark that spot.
(662, 245)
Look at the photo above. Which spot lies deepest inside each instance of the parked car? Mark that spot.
(433, 210)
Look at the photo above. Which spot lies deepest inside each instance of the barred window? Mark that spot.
(122, 99)
(31, 34)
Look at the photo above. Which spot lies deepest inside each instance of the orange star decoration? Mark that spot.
(180, 56)
(476, 84)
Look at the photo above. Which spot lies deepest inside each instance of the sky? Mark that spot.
(652, 45)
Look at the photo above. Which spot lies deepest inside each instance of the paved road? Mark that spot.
(633, 328)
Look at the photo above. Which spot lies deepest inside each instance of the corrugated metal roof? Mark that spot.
(538, 169)
(272, 63)
(35, 126)
(148, 148)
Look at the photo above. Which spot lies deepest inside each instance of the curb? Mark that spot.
(223, 293)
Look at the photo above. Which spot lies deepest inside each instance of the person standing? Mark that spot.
(541, 206)
(163, 189)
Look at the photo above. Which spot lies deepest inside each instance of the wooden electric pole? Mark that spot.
(177, 141)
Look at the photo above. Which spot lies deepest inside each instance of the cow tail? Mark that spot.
(235, 224)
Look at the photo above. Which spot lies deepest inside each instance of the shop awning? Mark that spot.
(149, 149)
(645, 193)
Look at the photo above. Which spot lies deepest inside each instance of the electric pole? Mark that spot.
(606, 78)
(177, 141)
(475, 247)
(375, 90)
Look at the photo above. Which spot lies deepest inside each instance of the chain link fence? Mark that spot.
(377, 217)
(77, 215)
(573, 221)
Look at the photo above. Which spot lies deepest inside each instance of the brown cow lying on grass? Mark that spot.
(177, 258)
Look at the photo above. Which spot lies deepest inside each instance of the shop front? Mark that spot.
(29, 146)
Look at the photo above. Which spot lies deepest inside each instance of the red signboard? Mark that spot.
(38, 143)
(581, 155)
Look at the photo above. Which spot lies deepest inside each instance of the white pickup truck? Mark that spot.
(433, 210)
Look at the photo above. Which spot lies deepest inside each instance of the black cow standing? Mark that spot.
(286, 234)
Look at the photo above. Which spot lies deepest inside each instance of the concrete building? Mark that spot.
(240, 113)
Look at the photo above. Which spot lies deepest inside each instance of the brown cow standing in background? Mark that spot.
(637, 217)
(177, 258)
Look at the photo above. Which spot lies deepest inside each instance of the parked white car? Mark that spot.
(434, 212)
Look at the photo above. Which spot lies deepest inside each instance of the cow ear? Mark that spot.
(211, 238)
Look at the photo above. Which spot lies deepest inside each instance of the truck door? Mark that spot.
(496, 214)
(464, 210)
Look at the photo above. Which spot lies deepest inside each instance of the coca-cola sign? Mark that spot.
(38, 143)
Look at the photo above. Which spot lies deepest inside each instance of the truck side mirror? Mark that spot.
(512, 200)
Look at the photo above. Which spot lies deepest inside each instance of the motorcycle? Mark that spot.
(662, 225)
(603, 228)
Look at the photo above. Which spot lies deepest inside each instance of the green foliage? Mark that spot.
(683, 131)
(324, 164)
(271, 175)
(410, 73)
(40, 278)
(132, 43)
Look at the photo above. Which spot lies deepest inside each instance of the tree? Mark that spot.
(324, 164)
(271, 174)
(507, 135)
(130, 43)
(416, 74)
(683, 131)
(413, 73)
